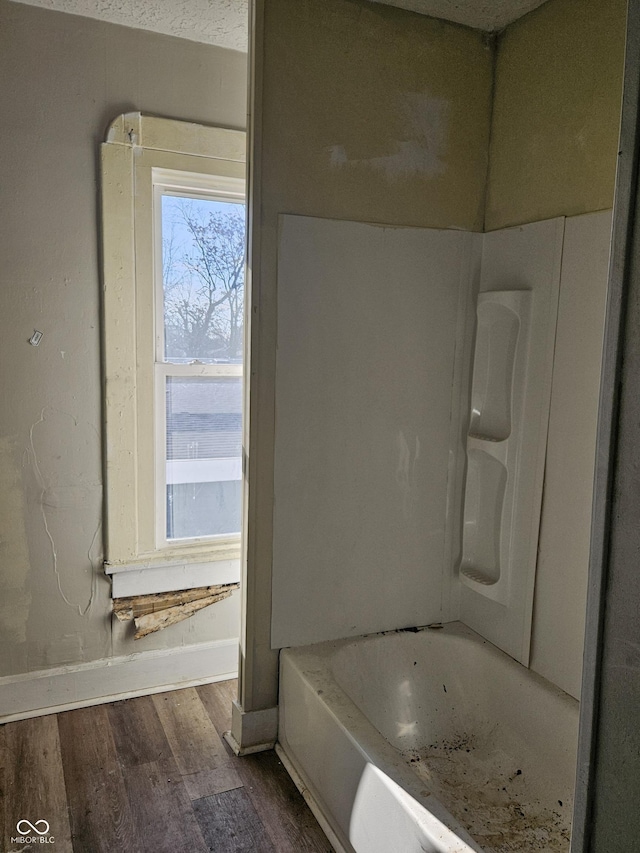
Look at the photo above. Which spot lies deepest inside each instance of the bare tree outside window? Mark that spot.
(203, 248)
(203, 274)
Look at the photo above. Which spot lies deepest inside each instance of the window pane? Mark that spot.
(203, 244)
(204, 456)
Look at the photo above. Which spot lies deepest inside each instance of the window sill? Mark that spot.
(171, 573)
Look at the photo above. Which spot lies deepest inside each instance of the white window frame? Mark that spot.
(143, 157)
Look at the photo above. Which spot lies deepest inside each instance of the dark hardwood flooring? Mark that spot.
(149, 775)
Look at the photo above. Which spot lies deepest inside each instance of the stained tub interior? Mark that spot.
(494, 742)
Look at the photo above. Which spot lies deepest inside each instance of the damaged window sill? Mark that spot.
(147, 577)
(151, 613)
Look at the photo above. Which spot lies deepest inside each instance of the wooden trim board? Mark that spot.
(133, 580)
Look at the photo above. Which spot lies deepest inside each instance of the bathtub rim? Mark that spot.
(368, 740)
(314, 659)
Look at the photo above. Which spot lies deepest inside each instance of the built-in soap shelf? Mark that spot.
(493, 443)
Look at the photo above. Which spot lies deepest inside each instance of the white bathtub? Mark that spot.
(431, 741)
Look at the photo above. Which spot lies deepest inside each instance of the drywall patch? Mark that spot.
(15, 598)
(426, 119)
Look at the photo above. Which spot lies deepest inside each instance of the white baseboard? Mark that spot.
(241, 751)
(252, 731)
(50, 691)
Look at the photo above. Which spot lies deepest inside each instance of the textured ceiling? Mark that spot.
(219, 22)
(224, 22)
(482, 14)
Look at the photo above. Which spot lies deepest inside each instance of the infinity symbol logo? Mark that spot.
(32, 827)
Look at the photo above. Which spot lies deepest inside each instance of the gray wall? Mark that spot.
(63, 79)
(608, 791)
(616, 789)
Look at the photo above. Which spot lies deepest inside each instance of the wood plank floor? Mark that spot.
(149, 775)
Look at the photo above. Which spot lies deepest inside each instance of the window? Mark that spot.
(199, 293)
(174, 245)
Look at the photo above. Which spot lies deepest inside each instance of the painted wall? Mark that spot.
(615, 822)
(374, 114)
(365, 113)
(63, 79)
(556, 113)
(611, 738)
